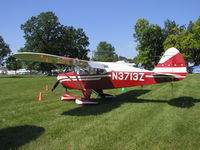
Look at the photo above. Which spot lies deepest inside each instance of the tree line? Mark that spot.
(45, 34)
(152, 41)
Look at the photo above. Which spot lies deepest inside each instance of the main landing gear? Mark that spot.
(86, 100)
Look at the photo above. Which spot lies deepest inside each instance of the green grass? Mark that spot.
(153, 117)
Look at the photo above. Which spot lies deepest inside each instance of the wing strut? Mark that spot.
(79, 85)
(77, 62)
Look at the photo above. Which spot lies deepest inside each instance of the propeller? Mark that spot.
(55, 86)
(57, 83)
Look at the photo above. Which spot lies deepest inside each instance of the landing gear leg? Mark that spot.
(86, 99)
(67, 96)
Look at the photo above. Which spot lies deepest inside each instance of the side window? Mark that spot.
(82, 71)
(89, 70)
(101, 71)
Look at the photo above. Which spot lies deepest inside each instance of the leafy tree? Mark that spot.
(4, 51)
(29, 65)
(183, 41)
(187, 41)
(196, 42)
(125, 59)
(45, 34)
(13, 64)
(171, 28)
(190, 26)
(150, 40)
(122, 58)
(105, 52)
(74, 42)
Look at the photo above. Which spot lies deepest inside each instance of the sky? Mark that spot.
(102, 20)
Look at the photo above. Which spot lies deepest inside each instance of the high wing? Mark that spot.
(42, 57)
(54, 59)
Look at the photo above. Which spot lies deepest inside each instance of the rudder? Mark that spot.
(172, 62)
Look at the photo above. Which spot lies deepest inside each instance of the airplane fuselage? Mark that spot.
(114, 79)
(95, 76)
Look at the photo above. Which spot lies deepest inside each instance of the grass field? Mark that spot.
(153, 117)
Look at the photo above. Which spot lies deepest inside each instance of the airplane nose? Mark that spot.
(61, 77)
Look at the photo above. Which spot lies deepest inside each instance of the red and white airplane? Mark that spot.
(89, 76)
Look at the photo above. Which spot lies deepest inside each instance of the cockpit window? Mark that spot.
(89, 70)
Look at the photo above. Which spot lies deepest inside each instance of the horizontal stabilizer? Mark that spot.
(163, 75)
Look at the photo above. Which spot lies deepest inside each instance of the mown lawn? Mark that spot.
(161, 116)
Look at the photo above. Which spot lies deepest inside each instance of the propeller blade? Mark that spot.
(55, 86)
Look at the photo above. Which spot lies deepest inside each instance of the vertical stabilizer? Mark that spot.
(172, 62)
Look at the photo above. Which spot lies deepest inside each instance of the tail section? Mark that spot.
(172, 62)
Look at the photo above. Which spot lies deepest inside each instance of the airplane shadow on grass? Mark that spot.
(128, 97)
(14, 137)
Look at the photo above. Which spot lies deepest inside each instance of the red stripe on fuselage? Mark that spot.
(116, 79)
